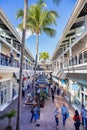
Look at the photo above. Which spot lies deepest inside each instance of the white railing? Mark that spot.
(80, 58)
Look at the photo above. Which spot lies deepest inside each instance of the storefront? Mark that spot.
(4, 91)
(77, 89)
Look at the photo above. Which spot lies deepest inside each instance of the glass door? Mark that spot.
(3, 96)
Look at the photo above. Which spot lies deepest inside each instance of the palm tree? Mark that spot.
(44, 56)
(21, 65)
(23, 15)
(39, 20)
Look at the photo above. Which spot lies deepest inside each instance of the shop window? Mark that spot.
(80, 58)
(85, 56)
(14, 45)
(86, 101)
(13, 91)
(0, 47)
(3, 96)
(82, 88)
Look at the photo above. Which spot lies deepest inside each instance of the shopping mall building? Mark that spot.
(69, 60)
(10, 47)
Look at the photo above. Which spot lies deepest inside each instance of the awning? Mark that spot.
(17, 75)
(54, 73)
(25, 74)
(59, 75)
(28, 74)
(42, 82)
(62, 75)
(81, 78)
(56, 80)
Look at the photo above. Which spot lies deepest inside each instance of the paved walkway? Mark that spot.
(46, 121)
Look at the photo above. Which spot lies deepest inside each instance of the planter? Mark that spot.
(42, 104)
(8, 128)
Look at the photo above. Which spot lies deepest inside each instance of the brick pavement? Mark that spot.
(46, 121)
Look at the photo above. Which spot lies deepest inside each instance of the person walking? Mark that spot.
(32, 112)
(52, 93)
(64, 112)
(57, 115)
(35, 112)
(84, 116)
(77, 120)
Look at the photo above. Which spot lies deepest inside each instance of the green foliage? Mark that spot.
(9, 115)
(44, 55)
(43, 95)
(39, 19)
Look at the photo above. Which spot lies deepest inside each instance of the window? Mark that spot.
(85, 56)
(0, 47)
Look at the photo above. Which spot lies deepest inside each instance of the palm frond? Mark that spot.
(19, 14)
(49, 31)
(56, 2)
(20, 26)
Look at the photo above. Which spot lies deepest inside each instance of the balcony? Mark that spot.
(76, 61)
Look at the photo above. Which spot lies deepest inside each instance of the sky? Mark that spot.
(46, 43)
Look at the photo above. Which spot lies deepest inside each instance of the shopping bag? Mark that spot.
(67, 115)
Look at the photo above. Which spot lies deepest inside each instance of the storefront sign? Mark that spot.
(75, 87)
(63, 81)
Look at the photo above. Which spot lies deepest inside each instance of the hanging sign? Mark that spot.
(75, 86)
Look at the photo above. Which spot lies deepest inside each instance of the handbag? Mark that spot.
(67, 115)
(58, 116)
(36, 116)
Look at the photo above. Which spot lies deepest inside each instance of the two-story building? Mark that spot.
(69, 60)
(10, 48)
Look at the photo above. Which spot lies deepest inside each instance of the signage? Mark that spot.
(63, 81)
(75, 86)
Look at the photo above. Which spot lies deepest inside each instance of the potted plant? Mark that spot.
(43, 97)
(8, 115)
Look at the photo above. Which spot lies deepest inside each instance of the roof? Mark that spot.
(79, 10)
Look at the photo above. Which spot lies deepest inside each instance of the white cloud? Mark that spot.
(28, 33)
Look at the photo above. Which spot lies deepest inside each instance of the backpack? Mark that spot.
(77, 121)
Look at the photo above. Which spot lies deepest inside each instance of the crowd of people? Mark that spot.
(79, 118)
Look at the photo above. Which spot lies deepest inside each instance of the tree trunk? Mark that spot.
(9, 122)
(21, 66)
(36, 59)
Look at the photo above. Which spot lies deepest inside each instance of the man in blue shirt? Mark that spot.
(64, 111)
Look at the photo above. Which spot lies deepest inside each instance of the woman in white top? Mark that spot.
(57, 114)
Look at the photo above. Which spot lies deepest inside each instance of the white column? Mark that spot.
(85, 21)
(56, 65)
(70, 40)
(71, 92)
(63, 61)
(4, 35)
(59, 64)
(9, 93)
(82, 57)
(77, 59)
(70, 53)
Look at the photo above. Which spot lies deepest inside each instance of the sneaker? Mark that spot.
(57, 127)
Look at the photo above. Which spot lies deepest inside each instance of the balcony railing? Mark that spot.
(77, 59)
(8, 61)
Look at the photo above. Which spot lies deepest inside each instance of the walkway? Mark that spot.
(46, 121)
